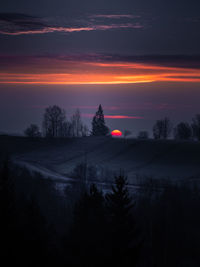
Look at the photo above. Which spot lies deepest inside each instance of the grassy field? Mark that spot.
(138, 158)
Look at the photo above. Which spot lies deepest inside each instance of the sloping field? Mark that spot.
(159, 159)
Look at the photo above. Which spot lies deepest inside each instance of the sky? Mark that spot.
(139, 59)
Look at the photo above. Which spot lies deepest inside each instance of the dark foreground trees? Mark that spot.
(123, 236)
(23, 229)
(8, 212)
(103, 231)
(88, 231)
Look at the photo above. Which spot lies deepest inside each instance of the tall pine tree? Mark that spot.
(98, 123)
(8, 215)
(123, 237)
(87, 235)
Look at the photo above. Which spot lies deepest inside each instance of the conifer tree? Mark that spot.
(34, 235)
(98, 123)
(88, 230)
(8, 216)
(122, 233)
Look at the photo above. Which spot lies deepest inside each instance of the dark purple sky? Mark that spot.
(140, 59)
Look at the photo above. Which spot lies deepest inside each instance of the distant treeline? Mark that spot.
(183, 131)
(84, 227)
(55, 124)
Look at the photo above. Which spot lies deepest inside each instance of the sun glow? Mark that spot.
(116, 133)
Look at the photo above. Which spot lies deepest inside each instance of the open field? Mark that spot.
(138, 158)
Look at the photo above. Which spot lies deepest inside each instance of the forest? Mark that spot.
(88, 227)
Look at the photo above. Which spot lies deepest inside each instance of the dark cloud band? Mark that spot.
(20, 24)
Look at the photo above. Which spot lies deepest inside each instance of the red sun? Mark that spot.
(116, 133)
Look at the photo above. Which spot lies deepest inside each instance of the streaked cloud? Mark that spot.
(73, 29)
(90, 115)
(115, 16)
(123, 117)
(21, 24)
(98, 69)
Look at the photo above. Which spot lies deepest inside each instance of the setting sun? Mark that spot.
(116, 133)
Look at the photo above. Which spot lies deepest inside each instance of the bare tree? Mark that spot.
(196, 127)
(76, 123)
(157, 129)
(84, 130)
(167, 127)
(66, 129)
(32, 131)
(183, 131)
(162, 128)
(53, 120)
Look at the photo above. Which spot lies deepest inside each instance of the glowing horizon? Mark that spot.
(61, 71)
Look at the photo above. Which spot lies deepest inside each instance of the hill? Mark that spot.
(138, 158)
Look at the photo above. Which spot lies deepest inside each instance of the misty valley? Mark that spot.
(99, 201)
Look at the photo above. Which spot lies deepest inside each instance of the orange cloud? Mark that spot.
(59, 71)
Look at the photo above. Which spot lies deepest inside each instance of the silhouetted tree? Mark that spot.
(76, 124)
(53, 120)
(8, 215)
(34, 234)
(75, 127)
(87, 236)
(32, 131)
(183, 131)
(98, 123)
(84, 130)
(162, 129)
(65, 129)
(157, 129)
(7, 196)
(122, 229)
(196, 127)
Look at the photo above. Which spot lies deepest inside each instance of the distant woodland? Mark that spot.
(55, 125)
